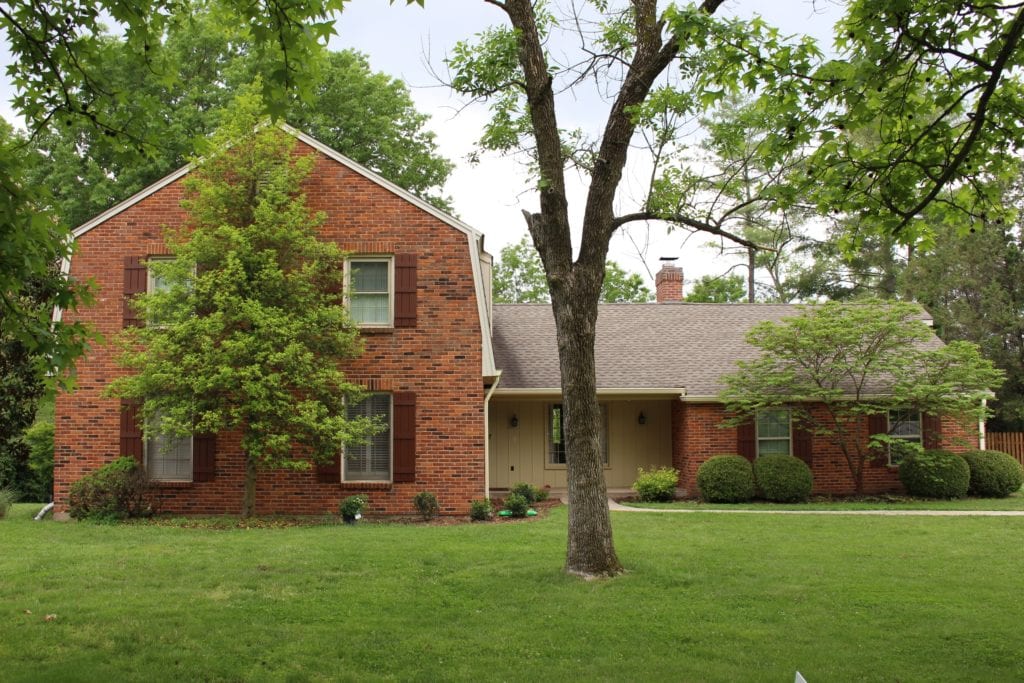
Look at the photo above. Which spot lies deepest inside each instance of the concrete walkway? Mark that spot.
(615, 507)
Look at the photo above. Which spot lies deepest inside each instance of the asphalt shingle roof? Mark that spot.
(639, 346)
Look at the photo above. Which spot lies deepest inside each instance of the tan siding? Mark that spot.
(521, 453)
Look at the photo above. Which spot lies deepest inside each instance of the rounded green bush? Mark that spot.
(480, 510)
(517, 504)
(657, 485)
(783, 478)
(994, 474)
(726, 479)
(935, 474)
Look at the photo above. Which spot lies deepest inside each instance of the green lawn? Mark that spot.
(707, 597)
(1013, 502)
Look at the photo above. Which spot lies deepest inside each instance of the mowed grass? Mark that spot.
(1013, 502)
(706, 598)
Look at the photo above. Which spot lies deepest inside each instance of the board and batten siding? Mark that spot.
(521, 453)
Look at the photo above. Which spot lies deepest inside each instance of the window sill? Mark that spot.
(170, 484)
(365, 485)
(376, 330)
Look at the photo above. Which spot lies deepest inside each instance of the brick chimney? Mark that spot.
(668, 283)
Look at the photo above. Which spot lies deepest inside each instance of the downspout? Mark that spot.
(487, 434)
(981, 424)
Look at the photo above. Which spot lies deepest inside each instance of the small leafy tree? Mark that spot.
(855, 360)
(251, 324)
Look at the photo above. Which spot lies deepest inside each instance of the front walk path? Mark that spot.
(615, 507)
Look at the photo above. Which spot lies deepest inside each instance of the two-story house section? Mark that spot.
(422, 305)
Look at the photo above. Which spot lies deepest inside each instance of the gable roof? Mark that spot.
(475, 238)
(672, 348)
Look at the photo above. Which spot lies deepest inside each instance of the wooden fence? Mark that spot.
(1007, 442)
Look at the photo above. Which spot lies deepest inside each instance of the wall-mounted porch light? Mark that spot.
(514, 422)
(642, 419)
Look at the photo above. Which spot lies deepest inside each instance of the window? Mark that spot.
(904, 425)
(370, 461)
(556, 435)
(773, 432)
(370, 284)
(168, 458)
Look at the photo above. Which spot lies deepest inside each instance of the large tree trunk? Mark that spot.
(249, 497)
(591, 552)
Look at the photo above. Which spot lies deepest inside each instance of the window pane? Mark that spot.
(773, 447)
(369, 276)
(557, 441)
(168, 458)
(773, 423)
(556, 436)
(371, 461)
(905, 424)
(370, 308)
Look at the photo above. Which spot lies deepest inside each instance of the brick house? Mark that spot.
(470, 390)
(659, 369)
(427, 358)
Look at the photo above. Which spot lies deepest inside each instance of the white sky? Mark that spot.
(410, 42)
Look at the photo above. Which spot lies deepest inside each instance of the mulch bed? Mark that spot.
(227, 523)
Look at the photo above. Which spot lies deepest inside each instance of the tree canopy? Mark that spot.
(246, 332)
(722, 289)
(857, 360)
(519, 279)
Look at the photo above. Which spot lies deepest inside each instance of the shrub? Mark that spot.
(726, 479)
(351, 508)
(115, 491)
(39, 439)
(657, 485)
(480, 510)
(935, 474)
(531, 493)
(8, 497)
(994, 474)
(426, 504)
(517, 504)
(783, 478)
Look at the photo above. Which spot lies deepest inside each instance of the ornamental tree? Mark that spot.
(249, 326)
(836, 364)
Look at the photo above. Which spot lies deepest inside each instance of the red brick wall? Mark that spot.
(696, 437)
(439, 359)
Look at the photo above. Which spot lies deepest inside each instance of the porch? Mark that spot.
(524, 436)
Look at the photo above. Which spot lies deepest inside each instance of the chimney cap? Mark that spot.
(668, 259)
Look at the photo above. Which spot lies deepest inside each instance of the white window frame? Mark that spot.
(549, 462)
(391, 446)
(910, 438)
(147, 454)
(390, 261)
(788, 438)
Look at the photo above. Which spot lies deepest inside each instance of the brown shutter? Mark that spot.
(878, 424)
(931, 431)
(131, 432)
(746, 440)
(135, 281)
(802, 444)
(204, 457)
(405, 290)
(329, 472)
(404, 436)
